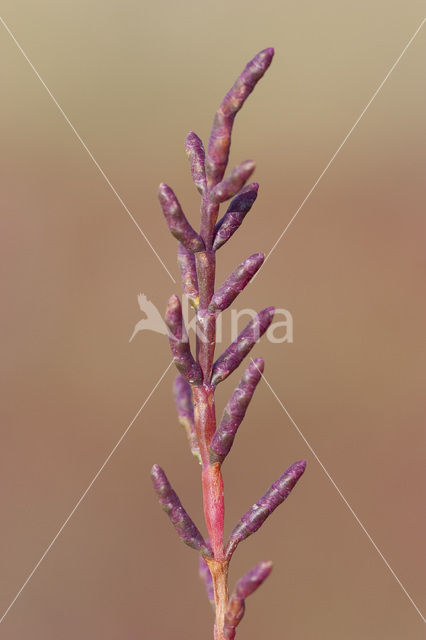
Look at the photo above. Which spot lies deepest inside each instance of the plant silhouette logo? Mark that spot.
(279, 331)
(153, 320)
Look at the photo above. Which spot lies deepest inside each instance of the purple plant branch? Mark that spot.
(235, 411)
(253, 519)
(197, 157)
(236, 282)
(176, 220)
(194, 388)
(220, 137)
(167, 497)
(235, 214)
(244, 588)
(231, 185)
(242, 345)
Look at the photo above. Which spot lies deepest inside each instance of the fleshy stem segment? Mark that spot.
(203, 395)
(199, 375)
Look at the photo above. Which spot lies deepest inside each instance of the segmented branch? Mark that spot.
(176, 220)
(235, 214)
(167, 497)
(197, 157)
(235, 411)
(220, 137)
(253, 519)
(244, 588)
(231, 185)
(237, 351)
(236, 282)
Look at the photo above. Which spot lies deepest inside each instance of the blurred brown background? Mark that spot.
(134, 78)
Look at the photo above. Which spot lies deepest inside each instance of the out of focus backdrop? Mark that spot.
(133, 79)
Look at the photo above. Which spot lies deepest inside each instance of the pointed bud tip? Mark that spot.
(269, 312)
(259, 363)
(252, 187)
(267, 54)
(299, 466)
(190, 140)
(173, 301)
(265, 568)
(164, 193)
(254, 262)
(156, 469)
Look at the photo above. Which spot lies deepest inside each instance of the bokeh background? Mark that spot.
(134, 78)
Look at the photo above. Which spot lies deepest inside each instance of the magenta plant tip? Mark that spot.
(253, 519)
(235, 411)
(253, 579)
(176, 220)
(242, 345)
(236, 282)
(231, 185)
(167, 497)
(235, 214)
(245, 587)
(197, 157)
(220, 137)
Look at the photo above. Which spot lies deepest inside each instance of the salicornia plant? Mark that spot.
(194, 387)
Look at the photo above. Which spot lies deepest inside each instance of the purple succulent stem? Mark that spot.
(235, 411)
(206, 320)
(253, 579)
(220, 137)
(176, 220)
(253, 519)
(235, 214)
(188, 272)
(179, 343)
(233, 616)
(186, 529)
(245, 587)
(236, 352)
(185, 410)
(199, 377)
(231, 185)
(236, 282)
(196, 156)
